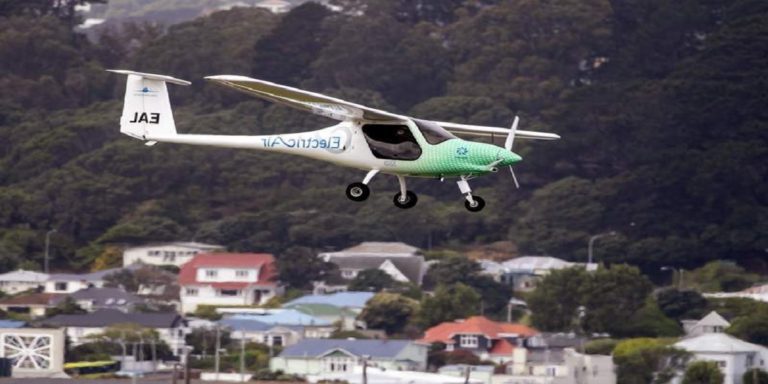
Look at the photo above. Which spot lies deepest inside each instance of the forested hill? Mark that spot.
(661, 105)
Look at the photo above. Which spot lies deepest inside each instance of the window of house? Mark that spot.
(211, 273)
(241, 273)
(551, 371)
(277, 341)
(394, 142)
(348, 274)
(191, 291)
(229, 292)
(468, 341)
(722, 363)
(60, 286)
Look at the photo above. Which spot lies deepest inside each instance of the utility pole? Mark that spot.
(47, 246)
(218, 347)
(365, 368)
(187, 376)
(242, 356)
(466, 374)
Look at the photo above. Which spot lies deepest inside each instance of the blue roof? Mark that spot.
(338, 299)
(251, 325)
(282, 317)
(11, 324)
(374, 348)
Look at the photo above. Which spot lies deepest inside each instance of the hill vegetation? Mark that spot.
(661, 105)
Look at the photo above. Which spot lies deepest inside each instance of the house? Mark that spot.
(388, 376)
(402, 262)
(277, 326)
(339, 307)
(80, 328)
(319, 356)
(567, 367)
(73, 282)
(228, 279)
(34, 352)
(489, 340)
(31, 304)
(711, 323)
(733, 356)
(175, 253)
(92, 299)
(524, 272)
(21, 280)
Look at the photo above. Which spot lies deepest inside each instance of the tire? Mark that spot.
(410, 200)
(479, 204)
(358, 192)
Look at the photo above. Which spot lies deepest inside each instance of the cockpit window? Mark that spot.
(395, 142)
(434, 133)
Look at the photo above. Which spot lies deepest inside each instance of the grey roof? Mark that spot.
(319, 347)
(107, 317)
(412, 267)
(532, 263)
(376, 247)
(105, 297)
(555, 340)
(22, 275)
(93, 276)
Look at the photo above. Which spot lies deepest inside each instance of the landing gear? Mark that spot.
(409, 201)
(404, 199)
(478, 205)
(360, 191)
(472, 203)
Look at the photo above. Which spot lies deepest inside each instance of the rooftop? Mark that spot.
(107, 317)
(718, 343)
(373, 348)
(477, 325)
(532, 263)
(282, 317)
(92, 276)
(31, 299)
(378, 248)
(247, 325)
(338, 299)
(183, 244)
(264, 261)
(105, 297)
(22, 275)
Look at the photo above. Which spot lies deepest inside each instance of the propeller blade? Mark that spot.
(512, 171)
(511, 136)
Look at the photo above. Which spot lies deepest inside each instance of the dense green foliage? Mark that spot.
(755, 376)
(703, 372)
(643, 361)
(390, 312)
(660, 105)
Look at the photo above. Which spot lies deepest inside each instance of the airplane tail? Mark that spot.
(147, 108)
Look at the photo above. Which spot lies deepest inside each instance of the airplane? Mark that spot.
(365, 138)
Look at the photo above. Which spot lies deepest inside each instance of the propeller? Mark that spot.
(508, 146)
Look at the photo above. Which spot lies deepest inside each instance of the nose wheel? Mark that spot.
(472, 203)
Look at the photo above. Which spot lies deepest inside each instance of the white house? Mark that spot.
(711, 323)
(73, 282)
(21, 280)
(176, 253)
(733, 356)
(227, 279)
(320, 356)
(524, 272)
(171, 327)
(404, 263)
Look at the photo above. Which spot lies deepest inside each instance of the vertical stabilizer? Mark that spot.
(147, 108)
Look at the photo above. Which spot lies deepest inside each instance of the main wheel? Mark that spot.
(358, 192)
(477, 207)
(410, 200)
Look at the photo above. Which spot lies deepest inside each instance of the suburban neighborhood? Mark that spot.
(353, 313)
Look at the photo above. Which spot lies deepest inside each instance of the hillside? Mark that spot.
(661, 106)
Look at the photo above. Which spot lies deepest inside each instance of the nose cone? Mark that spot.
(509, 157)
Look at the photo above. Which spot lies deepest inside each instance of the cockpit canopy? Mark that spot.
(433, 133)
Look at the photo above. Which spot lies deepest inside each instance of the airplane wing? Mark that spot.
(316, 103)
(479, 130)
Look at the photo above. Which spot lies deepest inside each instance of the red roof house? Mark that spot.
(484, 337)
(228, 279)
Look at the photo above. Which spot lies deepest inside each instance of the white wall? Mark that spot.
(71, 286)
(162, 254)
(207, 295)
(226, 275)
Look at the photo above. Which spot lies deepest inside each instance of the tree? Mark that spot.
(612, 296)
(388, 311)
(203, 340)
(299, 267)
(703, 372)
(752, 327)
(147, 275)
(755, 376)
(450, 302)
(680, 305)
(68, 306)
(554, 302)
(719, 276)
(372, 280)
(644, 360)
